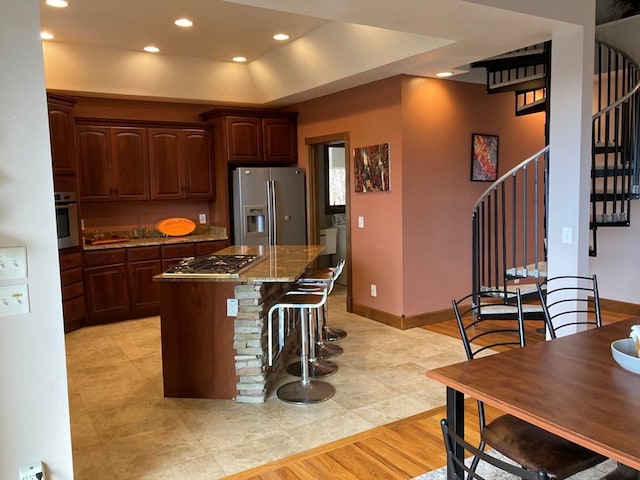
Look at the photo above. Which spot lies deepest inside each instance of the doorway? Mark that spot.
(322, 207)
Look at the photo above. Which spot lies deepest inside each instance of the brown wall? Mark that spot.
(416, 244)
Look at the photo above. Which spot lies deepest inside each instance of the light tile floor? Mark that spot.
(123, 428)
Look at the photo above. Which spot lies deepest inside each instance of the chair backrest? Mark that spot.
(453, 442)
(486, 321)
(570, 300)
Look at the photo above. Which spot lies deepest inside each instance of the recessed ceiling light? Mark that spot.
(57, 3)
(281, 36)
(239, 59)
(46, 36)
(151, 49)
(183, 22)
(444, 74)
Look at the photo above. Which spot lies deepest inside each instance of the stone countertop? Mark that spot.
(159, 240)
(282, 263)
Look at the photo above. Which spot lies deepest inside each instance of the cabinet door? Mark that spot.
(62, 136)
(280, 140)
(130, 158)
(165, 157)
(244, 139)
(94, 163)
(143, 290)
(197, 165)
(107, 293)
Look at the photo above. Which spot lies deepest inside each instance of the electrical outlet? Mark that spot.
(567, 235)
(14, 300)
(32, 471)
(360, 222)
(13, 263)
(374, 290)
(202, 218)
(232, 307)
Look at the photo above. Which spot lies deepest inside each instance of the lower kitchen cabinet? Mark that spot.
(71, 280)
(143, 263)
(172, 254)
(107, 290)
(119, 281)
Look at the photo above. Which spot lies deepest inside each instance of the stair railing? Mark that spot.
(509, 226)
(615, 140)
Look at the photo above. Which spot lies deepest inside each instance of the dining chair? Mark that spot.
(456, 465)
(570, 300)
(487, 325)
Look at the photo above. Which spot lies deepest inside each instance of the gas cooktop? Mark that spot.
(214, 265)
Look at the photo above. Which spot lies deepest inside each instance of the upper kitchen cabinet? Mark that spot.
(62, 134)
(113, 163)
(181, 163)
(255, 136)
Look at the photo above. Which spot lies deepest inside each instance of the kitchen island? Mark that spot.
(210, 350)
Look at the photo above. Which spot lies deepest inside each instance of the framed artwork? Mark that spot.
(484, 157)
(371, 168)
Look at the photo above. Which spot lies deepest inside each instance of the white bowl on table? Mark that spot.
(624, 353)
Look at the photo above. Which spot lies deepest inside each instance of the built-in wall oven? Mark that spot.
(67, 219)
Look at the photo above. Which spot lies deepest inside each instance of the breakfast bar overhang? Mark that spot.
(208, 349)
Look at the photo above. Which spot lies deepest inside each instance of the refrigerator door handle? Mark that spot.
(271, 209)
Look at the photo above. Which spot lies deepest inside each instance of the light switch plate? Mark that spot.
(13, 263)
(14, 300)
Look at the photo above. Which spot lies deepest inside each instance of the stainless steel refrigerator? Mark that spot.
(269, 206)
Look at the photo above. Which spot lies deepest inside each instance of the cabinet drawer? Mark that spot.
(72, 291)
(138, 254)
(73, 310)
(178, 251)
(105, 257)
(205, 248)
(70, 260)
(68, 277)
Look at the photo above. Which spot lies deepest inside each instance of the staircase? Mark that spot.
(509, 219)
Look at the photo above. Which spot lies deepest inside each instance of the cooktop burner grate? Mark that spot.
(214, 264)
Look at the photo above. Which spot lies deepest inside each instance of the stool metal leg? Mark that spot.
(318, 367)
(305, 391)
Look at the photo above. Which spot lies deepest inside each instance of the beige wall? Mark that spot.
(416, 244)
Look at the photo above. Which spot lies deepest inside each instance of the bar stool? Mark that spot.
(326, 275)
(318, 365)
(304, 391)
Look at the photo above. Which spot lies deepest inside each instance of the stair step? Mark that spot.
(530, 82)
(514, 59)
(533, 107)
(618, 219)
(529, 271)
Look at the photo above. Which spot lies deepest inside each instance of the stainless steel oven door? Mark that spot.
(67, 225)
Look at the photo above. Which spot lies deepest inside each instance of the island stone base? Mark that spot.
(256, 378)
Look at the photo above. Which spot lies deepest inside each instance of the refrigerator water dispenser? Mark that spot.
(255, 219)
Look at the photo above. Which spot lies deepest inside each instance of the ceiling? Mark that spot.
(334, 44)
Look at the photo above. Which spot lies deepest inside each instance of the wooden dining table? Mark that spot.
(570, 386)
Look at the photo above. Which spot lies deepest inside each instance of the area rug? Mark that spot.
(490, 473)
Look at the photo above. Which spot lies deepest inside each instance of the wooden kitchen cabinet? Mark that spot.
(181, 163)
(71, 280)
(255, 136)
(118, 282)
(106, 285)
(142, 264)
(206, 248)
(113, 163)
(62, 134)
(172, 254)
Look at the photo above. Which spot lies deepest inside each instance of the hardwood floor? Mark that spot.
(397, 451)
